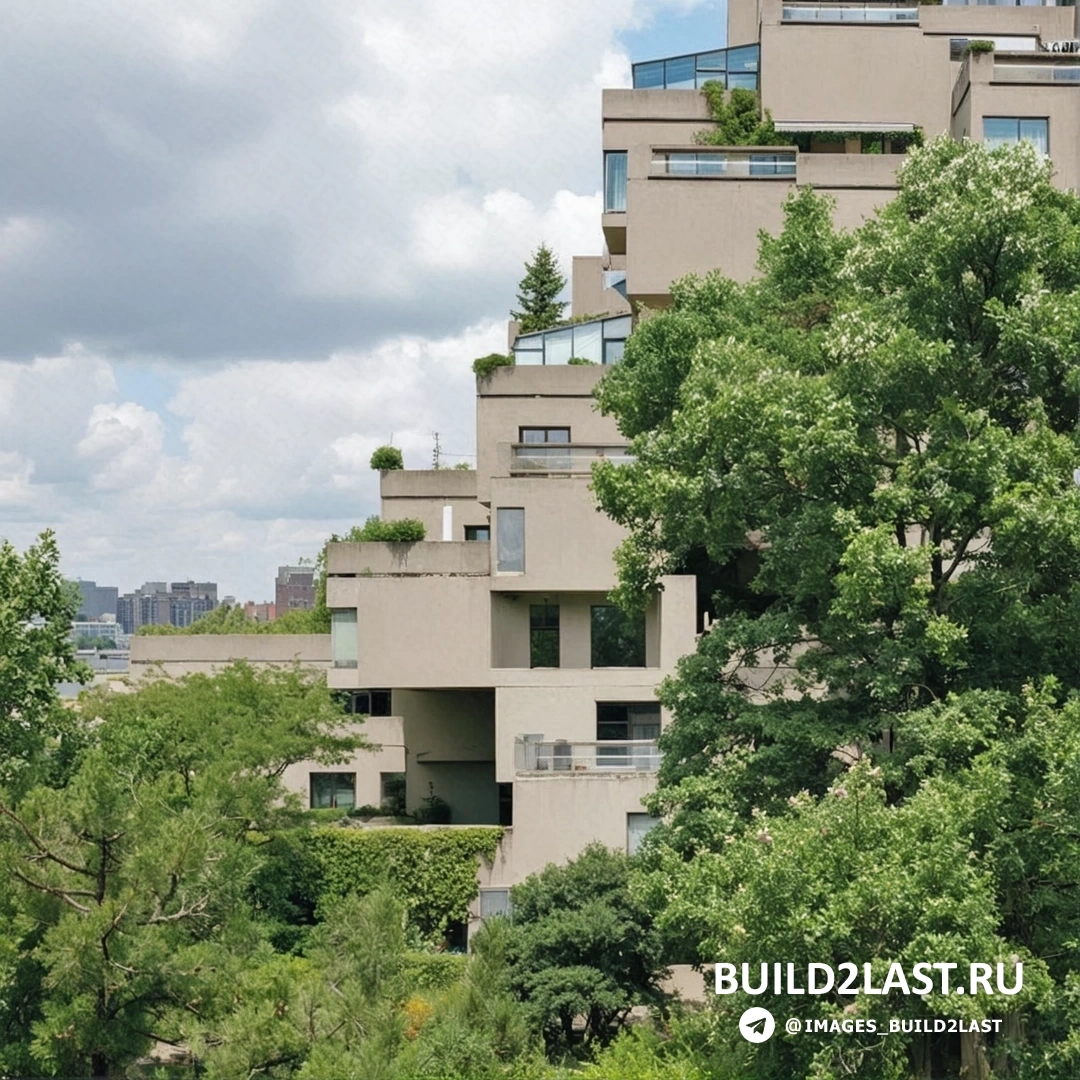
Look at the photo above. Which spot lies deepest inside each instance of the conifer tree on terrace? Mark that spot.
(538, 292)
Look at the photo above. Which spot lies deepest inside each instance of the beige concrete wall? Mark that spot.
(973, 21)
(386, 734)
(187, 654)
(528, 396)
(589, 295)
(417, 631)
(422, 494)
(742, 21)
(381, 559)
(568, 542)
(555, 817)
(854, 73)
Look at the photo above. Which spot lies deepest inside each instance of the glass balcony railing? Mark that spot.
(853, 13)
(737, 67)
(553, 758)
(564, 457)
(724, 163)
(1037, 73)
(599, 341)
(1009, 3)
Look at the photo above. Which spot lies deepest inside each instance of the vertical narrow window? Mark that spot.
(638, 826)
(344, 642)
(543, 635)
(615, 181)
(510, 539)
(506, 804)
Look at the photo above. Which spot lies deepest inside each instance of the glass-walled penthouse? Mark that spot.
(733, 67)
(599, 341)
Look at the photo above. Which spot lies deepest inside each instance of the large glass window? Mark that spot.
(615, 181)
(333, 791)
(544, 434)
(510, 539)
(729, 67)
(585, 341)
(1009, 130)
(367, 702)
(344, 641)
(617, 639)
(543, 635)
(478, 532)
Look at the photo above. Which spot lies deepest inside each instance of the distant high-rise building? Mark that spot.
(179, 604)
(97, 600)
(265, 612)
(294, 589)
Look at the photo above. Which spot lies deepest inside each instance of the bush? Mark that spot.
(580, 360)
(434, 811)
(365, 812)
(484, 366)
(979, 47)
(405, 531)
(386, 458)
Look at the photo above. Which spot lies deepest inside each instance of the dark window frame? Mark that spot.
(474, 529)
(545, 641)
(547, 429)
(334, 794)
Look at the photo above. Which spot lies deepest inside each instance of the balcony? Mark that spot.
(468, 558)
(734, 68)
(1056, 71)
(722, 164)
(827, 12)
(531, 459)
(535, 756)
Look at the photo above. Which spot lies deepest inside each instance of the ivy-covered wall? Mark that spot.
(432, 871)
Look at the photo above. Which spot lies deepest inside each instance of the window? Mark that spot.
(1009, 130)
(333, 790)
(620, 722)
(478, 532)
(617, 639)
(392, 792)
(344, 643)
(510, 536)
(544, 434)
(367, 702)
(615, 181)
(638, 826)
(495, 903)
(506, 804)
(543, 635)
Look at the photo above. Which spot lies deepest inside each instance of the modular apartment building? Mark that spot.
(498, 676)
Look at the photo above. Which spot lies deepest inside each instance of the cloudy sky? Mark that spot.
(244, 242)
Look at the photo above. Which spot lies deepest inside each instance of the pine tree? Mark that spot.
(538, 291)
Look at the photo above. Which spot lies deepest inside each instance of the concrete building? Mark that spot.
(524, 697)
(179, 603)
(294, 589)
(96, 600)
(848, 83)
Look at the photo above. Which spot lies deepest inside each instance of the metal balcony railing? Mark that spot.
(563, 457)
(853, 13)
(561, 756)
(1042, 73)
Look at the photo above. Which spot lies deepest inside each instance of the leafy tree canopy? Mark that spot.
(538, 293)
(387, 457)
(738, 119)
(866, 456)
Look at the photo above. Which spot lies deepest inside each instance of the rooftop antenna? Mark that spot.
(436, 451)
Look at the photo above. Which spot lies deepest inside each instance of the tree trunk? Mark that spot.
(920, 1057)
(99, 1065)
(973, 1063)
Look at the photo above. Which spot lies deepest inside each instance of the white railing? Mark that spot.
(857, 13)
(562, 756)
(722, 163)
(563, 457)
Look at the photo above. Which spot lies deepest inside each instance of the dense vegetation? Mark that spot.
(866, 457)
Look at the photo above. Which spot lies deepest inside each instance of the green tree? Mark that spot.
(866, 457)
(581, 945)
(538, 293)
(36, 653)
(738, 119)
(386, 458)
(128, 888)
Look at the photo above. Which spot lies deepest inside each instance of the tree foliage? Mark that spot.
(387, 458)
(738, 119)
(582, 946)
(866, 457)
(538, 293)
